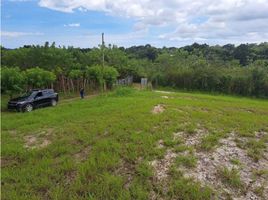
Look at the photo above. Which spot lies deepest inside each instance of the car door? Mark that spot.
(39, 99)
(47, 98)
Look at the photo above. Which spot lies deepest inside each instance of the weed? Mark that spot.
(190, 129)
(259, 173)
(230, 177)
(181, 148)
(187, 189)
(211, 140)
(171, 143)
(235, 161)
(186, 161)
(255, 149)
(259, 191)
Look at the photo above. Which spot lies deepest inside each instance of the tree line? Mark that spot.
(230, 69)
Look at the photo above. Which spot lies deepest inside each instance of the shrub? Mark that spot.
(12, 80)
(39, 78)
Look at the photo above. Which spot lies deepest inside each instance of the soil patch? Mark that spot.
(161, 167)
(209, 163)
(127, 170)
(192, 139)
(83, 154)
(158, 109)
(70, 177)
(163, 92)
(38, 140)
(165, 97)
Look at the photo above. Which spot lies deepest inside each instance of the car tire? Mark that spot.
(53, 102)
(28, 108)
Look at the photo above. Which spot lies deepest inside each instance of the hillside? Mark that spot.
(132, 144)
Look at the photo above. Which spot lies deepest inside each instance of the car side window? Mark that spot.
(39, 94)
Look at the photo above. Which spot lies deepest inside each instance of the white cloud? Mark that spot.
(12, 34)
(223, 20)
(81, 9)
(72, 25)
(20, 0)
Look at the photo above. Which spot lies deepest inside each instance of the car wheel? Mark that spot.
(28, 108)
(53, 102)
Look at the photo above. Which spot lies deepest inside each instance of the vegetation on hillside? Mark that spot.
(241, 70)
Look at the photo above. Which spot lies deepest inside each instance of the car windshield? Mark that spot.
(27, 94)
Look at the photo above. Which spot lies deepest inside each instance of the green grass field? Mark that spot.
(132, 144)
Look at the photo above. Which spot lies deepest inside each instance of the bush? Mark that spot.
(38, 78)
(110, 76)
(100, 75)
(12, 80)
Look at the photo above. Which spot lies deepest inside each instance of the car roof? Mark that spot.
(42, 90)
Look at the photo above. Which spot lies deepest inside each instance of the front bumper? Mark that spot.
(13, 106)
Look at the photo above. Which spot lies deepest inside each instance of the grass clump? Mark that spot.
(182, 148)
(211, 140)
(144, 170)
(259, 191)
(190, 129)
(260, 173)
(255, 149)
(187, 189)
(235, 161)
(230, 177)
(187, 161)
(171, 143)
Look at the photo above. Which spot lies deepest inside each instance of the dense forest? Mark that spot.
(229, 69)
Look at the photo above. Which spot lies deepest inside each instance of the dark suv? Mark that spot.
(34, 99)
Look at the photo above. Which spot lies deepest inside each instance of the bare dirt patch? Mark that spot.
(228, 155)
(161, 167)
(158, 109)
(8, 161)
(127, 170)
(192, 139)
(165, 97)
(160, 144)
(163, 92)
(209, 162)
(260, 134)
(38, 140)
(83, 154)
(70, 176)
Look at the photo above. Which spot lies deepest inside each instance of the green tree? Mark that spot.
(12, 80)
(39, 78)
(77, 76)
(110, 76)
(99, 75)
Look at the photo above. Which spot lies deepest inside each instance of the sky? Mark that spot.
(177, 23)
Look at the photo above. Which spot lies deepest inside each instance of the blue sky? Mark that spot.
(125, 23)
